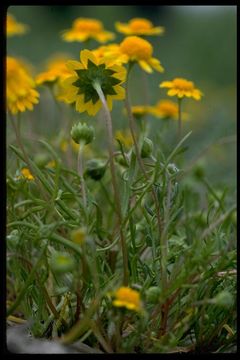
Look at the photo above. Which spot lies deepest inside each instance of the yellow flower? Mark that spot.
(139, 111)
(182, 88)
(140, 50)
(125, 137)
(26, 174)
(78, 236)
(14, 27)
(166, 109)
(56, 69)
(21, 94)
(64, 145)
(139, 26)
(79, 87)
(84, 29)
(51, 164)
(111, 52)
(128, 298)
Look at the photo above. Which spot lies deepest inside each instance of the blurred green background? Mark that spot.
(199, 44)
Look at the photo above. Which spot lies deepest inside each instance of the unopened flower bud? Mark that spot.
(62, 262)
(95, 169)
(41, 160)
(121, 160)
(82, 133)
(147, 148)
(152, 295)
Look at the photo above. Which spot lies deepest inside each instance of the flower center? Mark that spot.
(88, 26)
(95, 73)
(136, 48)
(183, 84)
(139, 24)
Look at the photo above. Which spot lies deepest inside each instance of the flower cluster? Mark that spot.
(21, 93)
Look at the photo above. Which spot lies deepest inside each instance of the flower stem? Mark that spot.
(114, 181)
(17, 130)
(141, 165)
(80, 172)
(179, 118)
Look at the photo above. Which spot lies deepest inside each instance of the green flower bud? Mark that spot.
(62, 262)
(172, 169)
(82, 133)
(199, 169)
(147, 148)
(41, 160)
(95, 169)
(152, 295)
(121, 160)
(224, 298)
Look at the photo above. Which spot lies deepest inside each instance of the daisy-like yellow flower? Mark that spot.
(140, 50)
(111, 52)
(128, 298)
(125, 137)
(139, 111)
(139, 26)
(79, 88)
(14, 27)
(21, 95)
(56, 69)
(26, 174)
(84, 29)
(166, 109)
(182, 88)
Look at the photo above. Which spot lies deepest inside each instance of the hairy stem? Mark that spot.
(80, 172)
(114, 180)
(179, 118)
(140, 162)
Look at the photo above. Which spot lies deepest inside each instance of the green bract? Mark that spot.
(95, 73)
(82, 133)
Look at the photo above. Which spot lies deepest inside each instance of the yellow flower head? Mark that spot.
(139, 111)
(79, 87)
(128, 298)
(111, 52)
(166, 109)
(125, 137)
(27, 174)
(182, 88)
(139, 26)
(21, 94)
(14, 27)
(84, 29)
(140, 50)
(56, 69)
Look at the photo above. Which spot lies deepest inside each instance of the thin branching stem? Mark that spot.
(114, 180)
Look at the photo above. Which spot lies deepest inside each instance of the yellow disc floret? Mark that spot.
(136, 48)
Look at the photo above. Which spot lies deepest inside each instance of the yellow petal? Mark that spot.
(172, 92)
(74, 65)
(120, 92)
(85, 55)
(166, 84)
(145, 66)
(155, 63)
